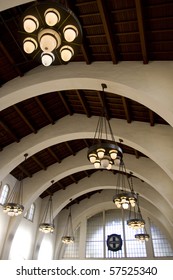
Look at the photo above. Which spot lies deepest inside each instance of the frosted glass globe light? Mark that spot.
(52, 17)
(47, 58)
(66, 53)
(100, 152)
(30, 24)
(96, 164)
(49, 40)
(104, 162)
(70, 33)
(29, 45)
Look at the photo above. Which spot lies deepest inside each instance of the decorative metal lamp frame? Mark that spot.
(125, 195)
(135, 220)
(104, 151)
(14, 205)
(50, 33)
(47, 221)
(68, 236)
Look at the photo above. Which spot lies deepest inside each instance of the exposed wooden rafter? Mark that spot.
(141, 30)
(64, 101)
(45, 112)
(107, 29)
(24, 119)
(84, 103)
(126, 109)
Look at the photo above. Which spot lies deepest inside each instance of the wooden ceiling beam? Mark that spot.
(24, 118)
(73, 179)
(84, 103)
(86, 143)
(23, 170)
(136, 153)
(53, 155)
(10, 59)
(69, 148)
(126, 109)
(43, 109)
(151, 116)
(138, 4)
(64, 101)
(39, 162)
(9, 131)
(107, 28)
(84, 45)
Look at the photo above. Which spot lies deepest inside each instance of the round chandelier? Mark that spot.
(51, 33)
(46, 228)
(135, 217)
(125, 196)
(136, 223)
(14, 205)
(104, 151)
(68, 236)
(142, 236)
(67, 239)
(13, 209)
(124, 199)
(47, 221)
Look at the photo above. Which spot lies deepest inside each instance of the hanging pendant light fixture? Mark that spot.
(142, 236)
(68, 236)
(50, 33)
(135, 217)
(125, 196)
(104, 152)
(14, 205)
(47, 221)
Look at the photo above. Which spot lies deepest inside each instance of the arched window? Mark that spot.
(29, 215)
(4, 194)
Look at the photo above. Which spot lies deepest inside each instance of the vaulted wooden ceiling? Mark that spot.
(124, 30)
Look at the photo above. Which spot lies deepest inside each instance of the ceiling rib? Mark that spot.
(107, 29)
(53, 155)
(64, 101)
(8, 130)
(10, 59)
(38, 162)
(24, 119)
(44, 110)
(84, 45)
(126, 109)
(84, 103)
(151, 116)
(141, 30)
(70, 149)
(24, 171)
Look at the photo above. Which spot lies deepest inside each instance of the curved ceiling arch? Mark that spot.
(130, 80)
(140, 136)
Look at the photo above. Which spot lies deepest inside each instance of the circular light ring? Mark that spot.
(49, 40)
(47, 58)
(136, 223)
(52, 16)
(70, 33)
(30, 45)
(107, 147)
(30, 23)
(66, 53)
(142, 236)
(92, 158)
(130, 197)
(67, 239)
(13, 209)
(46, 227)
